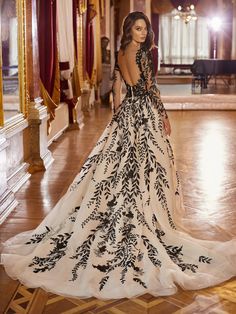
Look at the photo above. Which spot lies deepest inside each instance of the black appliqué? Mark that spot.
(205, 259)
(60, 242)
(72, 216)
(176, 253)
(123, 172)
(36, 238)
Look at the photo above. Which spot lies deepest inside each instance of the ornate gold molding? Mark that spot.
(82, 6)
(22, 55)
(80, 47)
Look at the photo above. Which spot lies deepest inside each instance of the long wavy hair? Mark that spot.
(127, 25)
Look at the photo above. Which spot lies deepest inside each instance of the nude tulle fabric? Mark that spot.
(118, 232)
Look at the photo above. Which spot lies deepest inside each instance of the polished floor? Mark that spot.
(204, 144)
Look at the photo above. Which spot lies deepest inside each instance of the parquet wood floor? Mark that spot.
(204, 144)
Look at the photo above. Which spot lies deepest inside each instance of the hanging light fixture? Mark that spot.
(186, 13)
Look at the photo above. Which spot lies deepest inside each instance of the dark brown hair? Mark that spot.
(127, 25)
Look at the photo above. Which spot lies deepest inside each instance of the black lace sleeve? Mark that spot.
(116, 86)
(148, 72)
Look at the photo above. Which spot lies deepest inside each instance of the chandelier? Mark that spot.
(186, 13)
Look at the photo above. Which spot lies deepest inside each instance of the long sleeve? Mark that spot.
(152, 87)
(116, 86)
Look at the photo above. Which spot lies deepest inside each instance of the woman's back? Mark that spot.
(135, 66)
(127, 62)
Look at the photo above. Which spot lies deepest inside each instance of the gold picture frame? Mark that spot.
(21, 29)
(21, 13)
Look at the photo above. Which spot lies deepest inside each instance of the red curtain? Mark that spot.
(89, 48)
(75, 12)
(91, 12)
(47, 43)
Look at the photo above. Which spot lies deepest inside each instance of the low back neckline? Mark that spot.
(140, 72)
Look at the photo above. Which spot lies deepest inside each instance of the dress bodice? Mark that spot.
(137, 90)
(136, 69)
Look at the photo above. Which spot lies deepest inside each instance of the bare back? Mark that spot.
(128, 65)
(135, 67)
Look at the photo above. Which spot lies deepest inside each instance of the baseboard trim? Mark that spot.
(57, 135)
(7, 204)
(19, 177)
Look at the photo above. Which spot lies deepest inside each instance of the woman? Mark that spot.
(115, 232)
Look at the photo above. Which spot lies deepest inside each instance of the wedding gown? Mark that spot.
(116, 233)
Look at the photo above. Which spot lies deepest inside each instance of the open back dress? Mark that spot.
(116, 233)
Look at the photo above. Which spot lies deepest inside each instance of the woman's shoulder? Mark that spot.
(151, 50)
(145, 52)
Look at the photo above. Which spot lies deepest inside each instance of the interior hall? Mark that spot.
(56, 73)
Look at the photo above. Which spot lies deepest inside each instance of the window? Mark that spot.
(181, 43)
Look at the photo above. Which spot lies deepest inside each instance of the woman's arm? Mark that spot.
(116, 87)
(148, 71)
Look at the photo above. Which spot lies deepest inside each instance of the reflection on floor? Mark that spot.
(204, 144)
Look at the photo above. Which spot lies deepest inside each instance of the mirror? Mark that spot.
(9, 51)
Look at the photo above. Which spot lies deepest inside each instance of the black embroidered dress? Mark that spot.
(114, 233)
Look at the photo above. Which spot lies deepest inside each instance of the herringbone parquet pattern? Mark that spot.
(216, 300)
